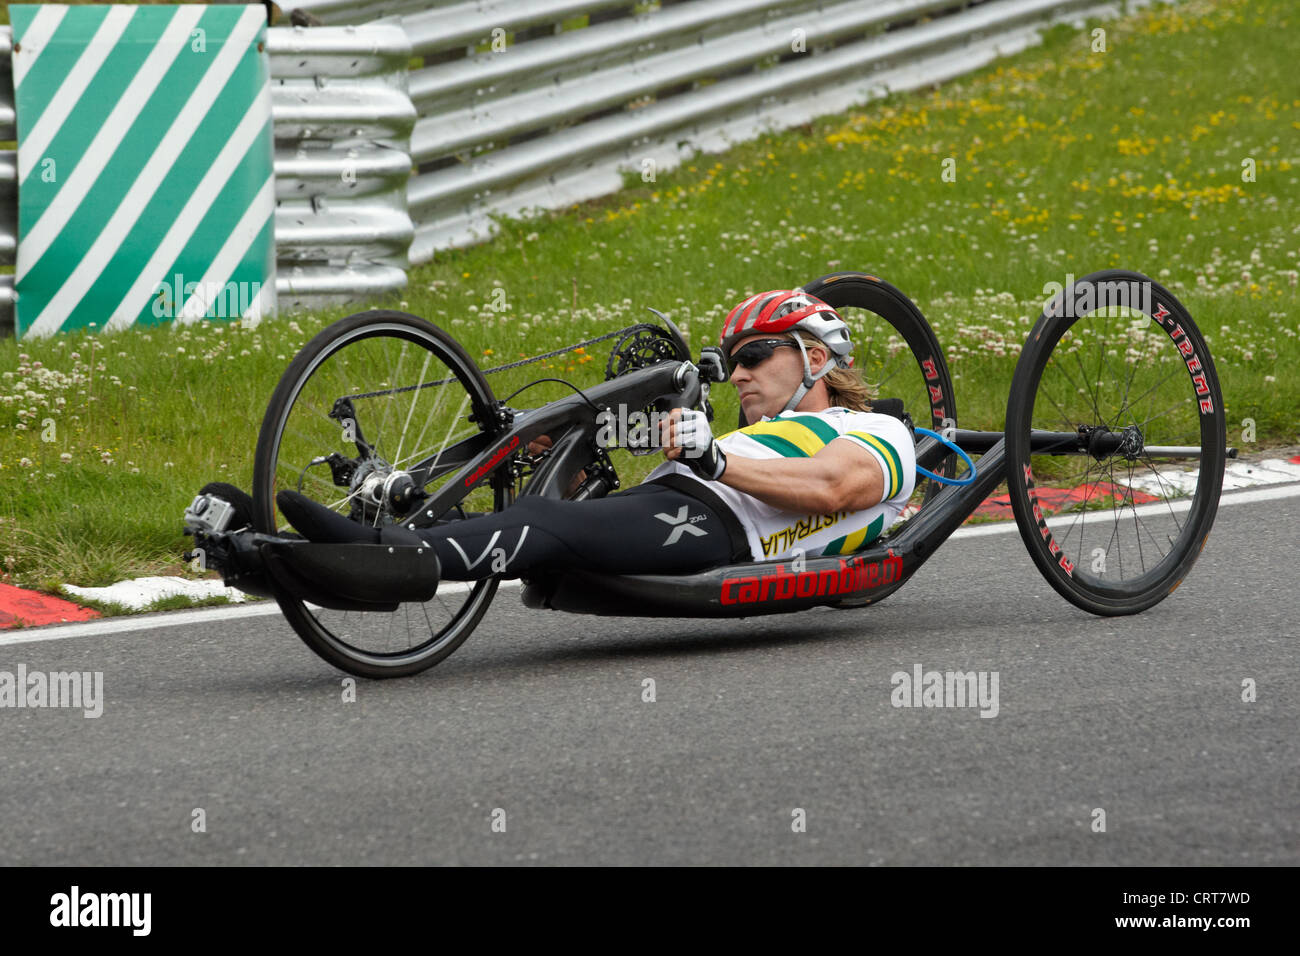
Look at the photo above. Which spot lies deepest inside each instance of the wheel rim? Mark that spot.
(1126, 522)
(411, 398)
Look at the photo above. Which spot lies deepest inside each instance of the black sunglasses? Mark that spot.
(753, 354)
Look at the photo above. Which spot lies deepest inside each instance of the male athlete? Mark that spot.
(816, 473)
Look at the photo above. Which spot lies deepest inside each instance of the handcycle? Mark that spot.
(384, 417)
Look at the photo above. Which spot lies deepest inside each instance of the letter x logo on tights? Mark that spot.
(680, 525)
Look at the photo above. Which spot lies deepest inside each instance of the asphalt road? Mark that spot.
(540, 715)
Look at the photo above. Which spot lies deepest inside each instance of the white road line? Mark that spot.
(1143, 511)
(117, 625)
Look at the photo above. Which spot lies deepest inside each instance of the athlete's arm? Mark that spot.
(843, 476)
(840, 477)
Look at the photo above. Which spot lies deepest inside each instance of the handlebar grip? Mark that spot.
(687, 380)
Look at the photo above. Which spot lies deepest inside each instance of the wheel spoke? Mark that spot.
(372, 365)
(1139, 559)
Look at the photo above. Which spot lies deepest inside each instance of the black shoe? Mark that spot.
(320, 524)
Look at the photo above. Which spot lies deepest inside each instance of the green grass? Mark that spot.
(173, 602)
(105, 608)
(1067, 161)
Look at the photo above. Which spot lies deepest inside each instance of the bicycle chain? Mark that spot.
(499, 368)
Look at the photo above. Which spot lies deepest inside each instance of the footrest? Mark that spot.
(362, 577)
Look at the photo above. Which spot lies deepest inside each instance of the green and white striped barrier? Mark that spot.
(145, 165)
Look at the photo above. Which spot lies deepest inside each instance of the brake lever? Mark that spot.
(712, 365)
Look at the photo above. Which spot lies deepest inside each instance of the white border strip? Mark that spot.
(117, 625)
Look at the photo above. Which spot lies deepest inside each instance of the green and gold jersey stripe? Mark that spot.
(857, 540)
(824, 429)
(800, 437)
(894, 478)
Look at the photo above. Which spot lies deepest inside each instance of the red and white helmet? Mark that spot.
(784, 310)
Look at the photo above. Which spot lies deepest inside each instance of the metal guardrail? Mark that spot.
(558, 114)
(343, 123)
(516, 105)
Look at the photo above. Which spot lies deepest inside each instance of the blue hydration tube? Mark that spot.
(970, 465)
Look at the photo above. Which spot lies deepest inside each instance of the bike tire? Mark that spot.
(1165, 396)
(361, 347)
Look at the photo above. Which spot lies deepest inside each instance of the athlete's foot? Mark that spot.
(390, 576)
(318, 523)
(324, 526)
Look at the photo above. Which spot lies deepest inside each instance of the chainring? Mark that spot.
(640, 347)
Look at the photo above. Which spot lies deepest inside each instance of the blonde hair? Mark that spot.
(844, 386)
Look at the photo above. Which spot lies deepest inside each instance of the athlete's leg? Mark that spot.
(647, 529)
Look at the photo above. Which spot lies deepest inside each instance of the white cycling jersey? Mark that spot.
(774, 533)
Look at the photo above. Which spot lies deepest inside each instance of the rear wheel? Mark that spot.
(1115, 367)
(354, 423)
(897, 353)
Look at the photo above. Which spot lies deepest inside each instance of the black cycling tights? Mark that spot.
(647, 529)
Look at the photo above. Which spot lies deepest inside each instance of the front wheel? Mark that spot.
(1115, 443)
(375, 412)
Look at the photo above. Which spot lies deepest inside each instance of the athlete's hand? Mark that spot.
(686, 435)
